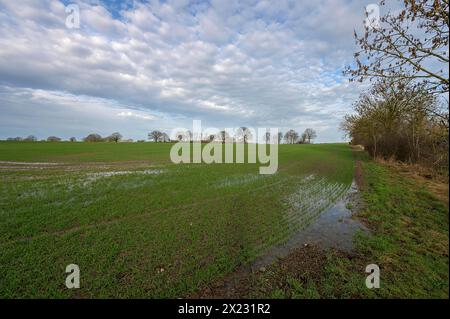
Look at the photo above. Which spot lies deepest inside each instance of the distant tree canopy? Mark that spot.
(73, 139)
(280, 137)
(165, 137)
(114, 137)
(30, 138)
(223, 136)
(409, 44)
(243, 134)
(303, 138)
(308, 135)
(93, 138)
(291, 136)
(183, 136)
(158, 136)
(398, 119)
(53, 139)
(267, 137)
(155, 135)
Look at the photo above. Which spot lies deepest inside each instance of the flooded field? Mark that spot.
(150, 228)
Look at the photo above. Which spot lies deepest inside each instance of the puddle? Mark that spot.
(95, 176)
(334, 228)
(72, 167)
(312, 197)
(239, 180)
(114, 173)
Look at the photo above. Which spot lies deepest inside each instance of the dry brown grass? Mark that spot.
(436, 183)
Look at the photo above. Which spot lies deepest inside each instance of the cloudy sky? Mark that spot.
(134, 66)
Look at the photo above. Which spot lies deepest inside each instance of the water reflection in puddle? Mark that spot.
(334, 228)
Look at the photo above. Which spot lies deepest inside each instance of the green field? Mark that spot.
(138, 225)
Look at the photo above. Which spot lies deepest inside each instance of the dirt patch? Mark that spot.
(74, 167)
(304, 267)
(10, 166)
(301, 263)
(440, 190)
(30, 163)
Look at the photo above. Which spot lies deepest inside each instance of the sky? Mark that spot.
(136, 66)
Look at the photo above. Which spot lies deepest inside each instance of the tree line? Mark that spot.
(243, 134)
(402, 121)
(292, 137)
(114, 137)
(404, 115)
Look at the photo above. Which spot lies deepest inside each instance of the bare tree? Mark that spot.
(223, 136)
(53, 139)
(155, 135)
(291, 136)
(411, 44)
(244, 134)
(16, 139)
(189, 135)
(310, 134)
(115, 137)
(184, 136)
(73, 139)
(280, 137)
(165, 137)
(303, 138)
(267, 137)
(93, 138)
(30, 138)
(397, 119)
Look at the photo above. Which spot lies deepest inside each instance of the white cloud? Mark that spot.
(228, 63)
(136, 115)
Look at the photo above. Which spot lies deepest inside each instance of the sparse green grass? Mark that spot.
(137, 234)
(410, 236)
